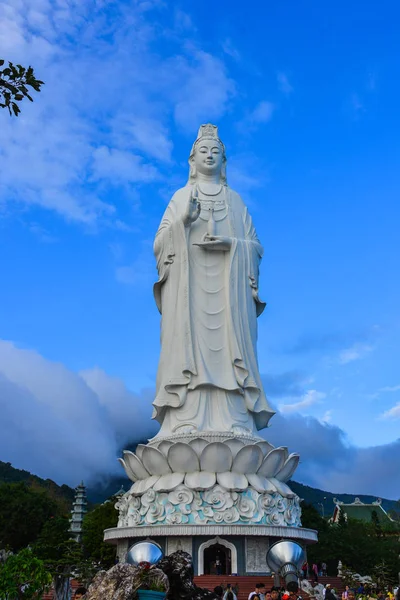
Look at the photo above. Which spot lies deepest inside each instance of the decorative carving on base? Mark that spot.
(184, 506)
(256, 551)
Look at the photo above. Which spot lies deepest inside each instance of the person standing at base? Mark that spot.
(229, 593)
(315, 572)
(259, 591)
(275, 594)
(293, 590)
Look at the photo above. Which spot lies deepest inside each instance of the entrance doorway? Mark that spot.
(217, 560)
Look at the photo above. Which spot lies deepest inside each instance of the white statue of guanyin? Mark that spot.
(208, 257)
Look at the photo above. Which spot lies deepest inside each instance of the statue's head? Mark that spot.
(208, 154)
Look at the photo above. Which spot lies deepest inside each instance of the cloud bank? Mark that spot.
(70, 426)
(118, 76)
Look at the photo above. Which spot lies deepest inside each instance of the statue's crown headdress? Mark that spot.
(208, 132)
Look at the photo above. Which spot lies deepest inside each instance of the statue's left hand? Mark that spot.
(216, 242)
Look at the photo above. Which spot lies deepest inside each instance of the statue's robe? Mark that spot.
(208, 377)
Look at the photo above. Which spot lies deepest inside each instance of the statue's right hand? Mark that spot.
(193, 208)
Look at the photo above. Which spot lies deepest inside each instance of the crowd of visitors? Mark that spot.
(291, 592)
(314, 571)
(369, 592)
(362, 592)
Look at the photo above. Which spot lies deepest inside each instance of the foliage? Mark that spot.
(381, 576)
(151, 578)
(14, 83)
(23, 512)
(349, 577)
(23, 576)
(356, 543)
(63, 557)
(62, 495)
(95, 522)
(376, 523)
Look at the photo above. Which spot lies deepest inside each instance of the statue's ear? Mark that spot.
(192, 170)
(223, 172)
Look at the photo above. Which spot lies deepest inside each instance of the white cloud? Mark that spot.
(229, 49)
(310, 397)
(120, 166)
(355, 352)
(263, 112)
(62, 425)
(141, 270)
(388, 388)
(329, 462)
(200, 87)
(70, 426)
(284, 84)
(144, 134)
(103, 116)
(392, 413)
(327, 417)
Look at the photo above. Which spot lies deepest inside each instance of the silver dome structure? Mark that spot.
(144, 551)
(286, 558)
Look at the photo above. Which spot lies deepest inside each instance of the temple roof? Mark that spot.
(361, 511)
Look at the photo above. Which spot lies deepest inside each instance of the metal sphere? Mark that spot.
(144, 552)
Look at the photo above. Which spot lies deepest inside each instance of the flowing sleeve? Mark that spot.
(255, 252)
(164, 250)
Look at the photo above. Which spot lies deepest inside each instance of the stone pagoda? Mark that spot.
(209, 482)
(79, 509)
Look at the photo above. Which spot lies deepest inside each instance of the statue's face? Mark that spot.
(208, 157)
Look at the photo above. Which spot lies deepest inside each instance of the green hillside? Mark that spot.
(62, 495)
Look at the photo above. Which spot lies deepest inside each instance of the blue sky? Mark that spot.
(306, 99)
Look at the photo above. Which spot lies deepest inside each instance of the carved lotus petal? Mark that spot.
(182, 458)
(200, 480)
(257, 482)
(169, 482)
(139, 450)
(164, 446)
(155, 461)
(141, 486)
(235, 445)
(272, 463)
(288, 468)
(266, 447)
(198, 445)
(216, 457)
(283, 489)
(260, 483)
(248, 460)
(232, 481)
(136, 465)
(128, 470)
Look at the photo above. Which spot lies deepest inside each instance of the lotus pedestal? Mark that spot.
(193, 492)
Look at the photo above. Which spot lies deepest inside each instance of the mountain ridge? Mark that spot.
(98, 493)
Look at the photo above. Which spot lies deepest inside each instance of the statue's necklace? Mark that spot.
(205, 193)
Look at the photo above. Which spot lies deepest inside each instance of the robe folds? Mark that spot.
(208, 377)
